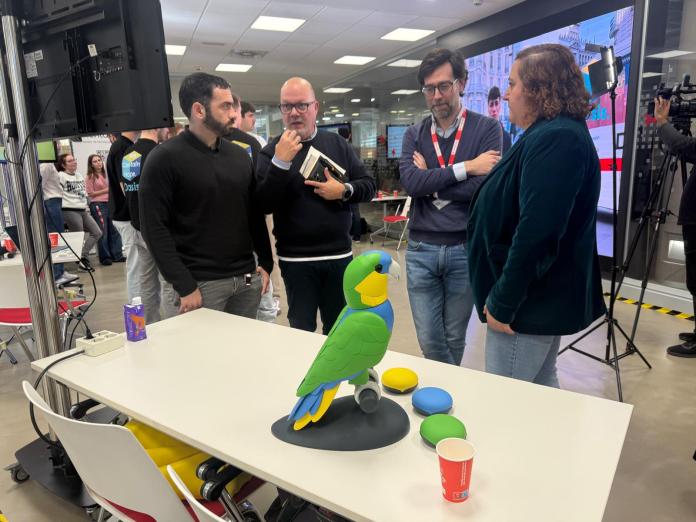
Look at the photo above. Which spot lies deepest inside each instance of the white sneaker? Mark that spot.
(66, 278)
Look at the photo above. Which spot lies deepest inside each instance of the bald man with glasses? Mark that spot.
(311, 219)
(444, 160)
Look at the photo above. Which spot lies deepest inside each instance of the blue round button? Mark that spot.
(432, 400)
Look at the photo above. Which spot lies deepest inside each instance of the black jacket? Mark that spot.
(685, 148)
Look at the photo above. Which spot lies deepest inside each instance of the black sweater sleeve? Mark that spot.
(259, 232)
(271, 181)
(156, 203)
(676, 142)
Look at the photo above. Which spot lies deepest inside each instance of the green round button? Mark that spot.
(399, 380)
(441, 426)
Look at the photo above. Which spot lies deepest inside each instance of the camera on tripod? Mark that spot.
(681, 109)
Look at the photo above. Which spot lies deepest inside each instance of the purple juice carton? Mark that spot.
(134, 316)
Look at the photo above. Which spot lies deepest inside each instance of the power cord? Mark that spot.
(36, 386)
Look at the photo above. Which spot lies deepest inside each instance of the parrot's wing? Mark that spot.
(356, 344)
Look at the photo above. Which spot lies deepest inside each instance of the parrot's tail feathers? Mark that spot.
(326, 399)
(301, 423)
(305, 405)
(325, 403)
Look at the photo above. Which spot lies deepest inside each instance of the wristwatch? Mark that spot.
(347, 191)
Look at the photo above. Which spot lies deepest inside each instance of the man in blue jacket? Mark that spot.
(443, 160)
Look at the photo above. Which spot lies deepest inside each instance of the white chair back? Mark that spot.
(203, 514)
(407, 207)
(13, 284)
(114, 466)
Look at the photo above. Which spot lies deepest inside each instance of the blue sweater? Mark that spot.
(446, 226)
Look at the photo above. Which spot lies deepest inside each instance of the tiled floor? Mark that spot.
(656, 478)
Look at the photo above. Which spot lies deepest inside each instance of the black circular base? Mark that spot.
(344, 427)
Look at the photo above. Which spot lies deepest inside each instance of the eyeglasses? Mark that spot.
(443, 87)
(286, 108)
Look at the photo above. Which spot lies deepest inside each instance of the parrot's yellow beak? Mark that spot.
(373, 289)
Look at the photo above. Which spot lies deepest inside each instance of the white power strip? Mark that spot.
(101, 342)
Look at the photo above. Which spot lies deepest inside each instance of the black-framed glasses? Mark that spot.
(286, 108)
(443, 87)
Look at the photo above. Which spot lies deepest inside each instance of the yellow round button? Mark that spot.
(399, 380)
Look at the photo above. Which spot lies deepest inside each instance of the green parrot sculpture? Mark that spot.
(356, 343)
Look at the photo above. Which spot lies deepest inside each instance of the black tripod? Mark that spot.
(611, 355)
(655, 212)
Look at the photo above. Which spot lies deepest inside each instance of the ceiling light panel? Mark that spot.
(174, 50)
(354, 60)
(233, 67)
(276, 23)
(403, 34)
(337, 90)
(405, 63)
(669, 54)
(405, 92)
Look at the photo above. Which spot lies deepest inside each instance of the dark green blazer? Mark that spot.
(532, 240)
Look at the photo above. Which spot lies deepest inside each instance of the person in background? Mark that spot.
(118, 208)
(131, 170)
(685, 148)
(444, 160)
(355, 227)
(247, 122)
(311, 218)
(53, 204)
(494, 111)
(97, 185)
(75, 211)
(198, 211)
(532, 231)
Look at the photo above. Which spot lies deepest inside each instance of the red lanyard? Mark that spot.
(457, 138)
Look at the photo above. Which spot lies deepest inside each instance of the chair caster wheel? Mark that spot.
(17, 473)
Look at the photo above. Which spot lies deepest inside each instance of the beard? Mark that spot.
(218, 127)
(442, 110)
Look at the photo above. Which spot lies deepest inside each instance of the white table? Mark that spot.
(218, 382)
(73, 239)
(13, 282)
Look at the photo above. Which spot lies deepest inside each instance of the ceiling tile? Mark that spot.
(288, 10)
(391, 19)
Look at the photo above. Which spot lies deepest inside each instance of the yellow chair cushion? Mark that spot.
(399, 380)
(165, 450)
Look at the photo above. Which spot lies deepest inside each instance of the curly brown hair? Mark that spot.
(553, 82)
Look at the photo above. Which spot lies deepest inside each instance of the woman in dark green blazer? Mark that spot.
(532, 240)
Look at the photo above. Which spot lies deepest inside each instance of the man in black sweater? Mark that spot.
(311, 219)
(197, 210)
(131, 170)
(118, 208)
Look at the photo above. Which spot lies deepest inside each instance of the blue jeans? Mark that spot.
(54, 223)
(441, 298)
(109, 246)
(525, 357)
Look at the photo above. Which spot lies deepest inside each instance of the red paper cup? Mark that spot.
(10, 246)
(379, 194)
(396, 193)
(53, 236)
(456, 460)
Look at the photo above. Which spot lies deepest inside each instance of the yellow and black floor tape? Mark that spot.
(666, 311)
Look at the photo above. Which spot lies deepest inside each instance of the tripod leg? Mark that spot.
(615, 364)
(662, 215)
(631, 347)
